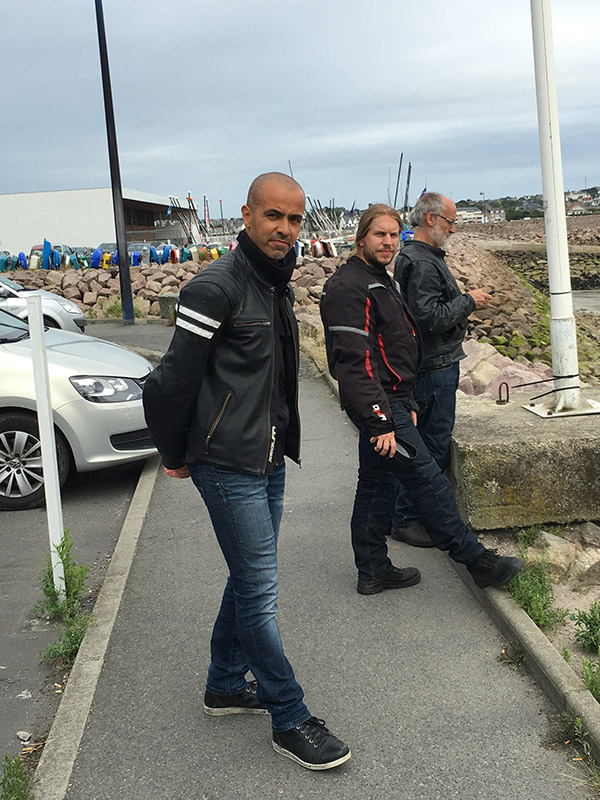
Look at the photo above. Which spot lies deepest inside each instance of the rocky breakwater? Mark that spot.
(517, 321)
(97, 291)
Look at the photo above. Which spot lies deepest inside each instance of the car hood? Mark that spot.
(78, 354)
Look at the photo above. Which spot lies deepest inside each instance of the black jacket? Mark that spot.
(436, 302)
(372, 344)
(213, 397)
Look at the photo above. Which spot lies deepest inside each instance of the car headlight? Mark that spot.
(107, 390)
(68, 306)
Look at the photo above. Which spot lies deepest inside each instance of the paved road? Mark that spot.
(94, 506)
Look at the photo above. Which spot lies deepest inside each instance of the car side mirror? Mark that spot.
(4, 292)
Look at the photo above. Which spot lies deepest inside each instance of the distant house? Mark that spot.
(466, 215)
(531, 205)
(575, 209)
(493, 214)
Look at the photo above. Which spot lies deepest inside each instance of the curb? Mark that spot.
(53, 772)
(559, 682)
(556, 678)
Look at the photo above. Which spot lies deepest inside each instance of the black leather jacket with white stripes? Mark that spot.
(373, 346)
(212, 397)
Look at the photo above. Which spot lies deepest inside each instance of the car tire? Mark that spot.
(21, 476)
(50, 323)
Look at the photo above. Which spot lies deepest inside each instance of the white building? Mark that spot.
(85, 218)
(468, 215)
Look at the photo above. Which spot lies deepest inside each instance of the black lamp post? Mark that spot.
(115, 174)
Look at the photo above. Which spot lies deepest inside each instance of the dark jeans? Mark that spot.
(246, 512)
(429, 491)
(435, 394)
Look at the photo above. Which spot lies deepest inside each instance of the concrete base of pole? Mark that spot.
(512, 469)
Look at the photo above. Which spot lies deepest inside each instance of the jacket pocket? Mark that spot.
(264, 323)
(216, 421)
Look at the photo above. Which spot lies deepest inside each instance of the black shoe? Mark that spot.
(396, 578)
(414, 534)
(246, 702)
(311, 745)
(490, 569)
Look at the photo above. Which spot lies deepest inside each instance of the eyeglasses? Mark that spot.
(451, 222)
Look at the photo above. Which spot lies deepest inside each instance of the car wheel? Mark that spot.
(21, 474)
(50, 323)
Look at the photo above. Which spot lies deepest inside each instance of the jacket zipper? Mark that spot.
(297, 360)
(272, 434)
(216, 422)
(263, 323)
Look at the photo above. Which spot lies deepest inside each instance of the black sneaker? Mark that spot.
(414, 534)
(396, 578)
(246, 702)
(490, 569)
(311, 745)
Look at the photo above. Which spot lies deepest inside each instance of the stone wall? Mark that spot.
(533, 267)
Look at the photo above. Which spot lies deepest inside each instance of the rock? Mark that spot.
(559, 554)
(54, 278)
(300, 293)
(591, 577)
(590, 534)
(72, 293)
(167, 303)
(483, 374)
(90, 298)
(24, 736)
(141, 305)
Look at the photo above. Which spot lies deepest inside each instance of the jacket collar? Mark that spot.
(435, 250)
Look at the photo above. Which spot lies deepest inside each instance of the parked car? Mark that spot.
(38, 249)
(58, 312)
(96, 392)
(107, 247)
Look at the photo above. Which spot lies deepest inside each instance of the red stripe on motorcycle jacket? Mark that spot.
(387, 363)
(368, 365)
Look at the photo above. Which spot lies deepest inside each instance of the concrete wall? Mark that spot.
(81, 217)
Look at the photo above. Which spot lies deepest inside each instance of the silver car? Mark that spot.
(58, 312)
(96, 391)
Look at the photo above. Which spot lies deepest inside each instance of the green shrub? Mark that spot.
(75, 576)
(590, 675)
(587, 624)
(61, 653)
(532, 589)
(528, 536)
(15, 783)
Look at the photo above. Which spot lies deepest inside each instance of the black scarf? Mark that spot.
(276, 272)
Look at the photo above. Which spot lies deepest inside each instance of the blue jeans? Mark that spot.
(435, 394)
(246, 513)
(429, 491)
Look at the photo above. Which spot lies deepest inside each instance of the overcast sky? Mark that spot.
(207, 95)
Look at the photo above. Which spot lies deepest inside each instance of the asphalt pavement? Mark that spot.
(94, 507)
(414, 679)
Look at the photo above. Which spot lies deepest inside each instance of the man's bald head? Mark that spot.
(273, 213)
(259, 184)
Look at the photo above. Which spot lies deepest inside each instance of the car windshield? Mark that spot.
(12, 284)
(12, 328)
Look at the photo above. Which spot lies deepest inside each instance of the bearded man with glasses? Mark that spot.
(441, 311)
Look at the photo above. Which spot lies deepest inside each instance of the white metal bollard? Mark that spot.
(46, 426)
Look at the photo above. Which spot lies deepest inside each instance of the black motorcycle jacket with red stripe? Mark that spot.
(373, 347)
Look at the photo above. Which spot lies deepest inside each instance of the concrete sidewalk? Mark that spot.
(411, 679)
